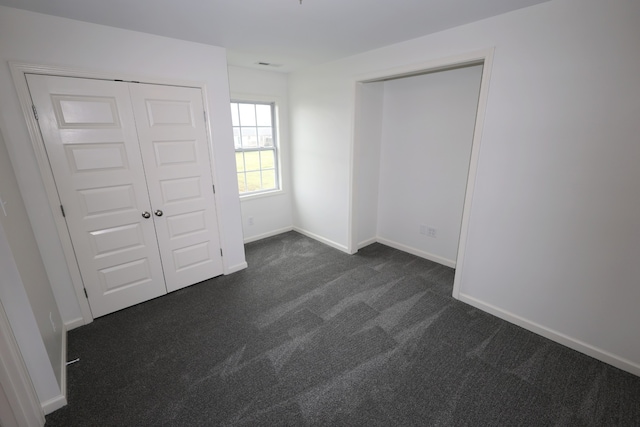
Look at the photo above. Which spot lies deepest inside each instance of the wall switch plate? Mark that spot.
(250, 220)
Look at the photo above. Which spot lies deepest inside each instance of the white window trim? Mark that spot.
(280, 143)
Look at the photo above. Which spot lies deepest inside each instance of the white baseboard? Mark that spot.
(367, 243)
(54, 404)
(74, 323)
(269, 234)
(582, 347)
(418, 252)
(61, 400)
(321, 239)
(232, 269)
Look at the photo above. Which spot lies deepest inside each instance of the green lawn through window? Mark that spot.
(256, 170)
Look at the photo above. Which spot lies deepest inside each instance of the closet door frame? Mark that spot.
(18, 72)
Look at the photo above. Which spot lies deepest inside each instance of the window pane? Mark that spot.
(241, 183)
(263, 113)
(239, 162)
(255, 142)
(237, 143)
(253, 181)
(266, 159)
(247, 115)
(234, 114)
(268, 180)
(252, 160)
(265, 137)
(249, 137)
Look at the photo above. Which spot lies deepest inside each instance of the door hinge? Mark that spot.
(85, 293)
(214, 188)
(62, 210)
(205, 116)
(35, 112)
(220, 251)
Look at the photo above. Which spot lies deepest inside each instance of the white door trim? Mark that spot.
(484, 57)
(15, 380)
(18, 72)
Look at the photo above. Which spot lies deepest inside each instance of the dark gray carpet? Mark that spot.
(308, 335)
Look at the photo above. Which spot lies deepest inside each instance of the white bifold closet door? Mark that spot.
(132, 169)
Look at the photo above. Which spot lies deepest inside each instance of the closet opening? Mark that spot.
(415, 149)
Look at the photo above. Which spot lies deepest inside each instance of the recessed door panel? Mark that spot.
(96, 157)
(171, 153)
(116, 239)
(125, 275)
(90, 137)
(191, 256)
(107, 200)
(181, 189)
(173, 140)
(188, 223)
(73, 112)
(166, 112)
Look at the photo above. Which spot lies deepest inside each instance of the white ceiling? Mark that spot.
(280, 31)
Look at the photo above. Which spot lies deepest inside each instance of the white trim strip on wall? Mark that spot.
(268, 234)
(417, 252)
(553, 335)
(15, 379)
(321, 239)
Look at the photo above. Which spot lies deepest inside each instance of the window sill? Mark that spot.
(272, 193)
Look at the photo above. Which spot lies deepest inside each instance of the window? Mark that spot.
(254, 136)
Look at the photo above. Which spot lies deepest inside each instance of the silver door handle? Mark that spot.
(146, 215)
(158, 212)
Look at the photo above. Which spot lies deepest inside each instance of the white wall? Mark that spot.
(32, 280)
(553, 238)
(368, 123)
(41, 39)
(320, 103)
(427, 130)
(272, 213)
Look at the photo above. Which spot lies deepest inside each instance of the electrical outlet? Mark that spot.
(428, 231)
(250, 220)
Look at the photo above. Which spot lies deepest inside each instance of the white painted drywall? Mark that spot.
(368, 122)
(553, 236)
(427, 131)
(272, 213)
(32, 275)
(41, 39)
(321, 114)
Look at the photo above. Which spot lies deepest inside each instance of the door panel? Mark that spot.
(173, 141)
(89, 132)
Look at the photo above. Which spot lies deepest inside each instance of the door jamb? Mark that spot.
(484, 57)
(18, 72)
(15, 379)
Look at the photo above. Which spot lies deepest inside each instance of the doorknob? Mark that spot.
(158, 212)
(146, 215)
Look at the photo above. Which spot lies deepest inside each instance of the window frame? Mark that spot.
(277, 148)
